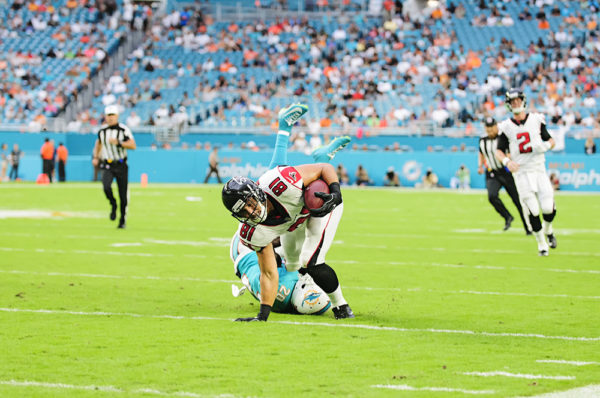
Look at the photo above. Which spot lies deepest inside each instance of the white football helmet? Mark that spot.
(309, 298)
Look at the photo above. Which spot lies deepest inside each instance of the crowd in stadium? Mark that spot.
(359, 73)
(372, 73)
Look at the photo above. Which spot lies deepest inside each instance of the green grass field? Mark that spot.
(444, 300)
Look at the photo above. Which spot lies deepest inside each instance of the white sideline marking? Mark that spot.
(341, 325)
(14, 249)
(32, 213)
(563, 362)
(193, 198)
(492, 267)
(591, 391)
(524, 294)
(395, 289)
(404, 387)
(105, 276)
(518, 375)
(125, 244)
(184, 278)
(63, 386)
(488, 250)
(179, 242)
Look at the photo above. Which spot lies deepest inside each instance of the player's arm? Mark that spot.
(547, 140)
(501, 154)
(325, 172)
(269, 281)
(480, 163)
(96, 153)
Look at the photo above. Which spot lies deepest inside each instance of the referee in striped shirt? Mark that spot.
(496, 175)
(110, 154)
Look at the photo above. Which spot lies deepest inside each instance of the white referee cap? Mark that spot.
(111, 110)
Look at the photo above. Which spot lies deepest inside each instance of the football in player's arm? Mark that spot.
(274, 207)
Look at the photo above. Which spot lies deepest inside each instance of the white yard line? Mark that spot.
(322, 324)
(184, 278)
(518, 375)
(591, 391)
(108, 253)
(403, 387)
(65, 386)
(395, 289)
(563, 362)
(105, 276)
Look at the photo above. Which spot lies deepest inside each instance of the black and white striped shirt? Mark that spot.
(110, 151)
(487, 147)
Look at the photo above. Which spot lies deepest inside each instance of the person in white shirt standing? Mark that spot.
(526, 138)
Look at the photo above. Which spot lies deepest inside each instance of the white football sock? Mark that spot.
(547, 227)
(541, 240)
(336, 297)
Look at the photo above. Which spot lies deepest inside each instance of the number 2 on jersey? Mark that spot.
(277, 186)
(526, 140)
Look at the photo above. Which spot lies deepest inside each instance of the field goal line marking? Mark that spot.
(518, 375)
(186, 278)
(323, 324)
(64, 386)
(404, 387)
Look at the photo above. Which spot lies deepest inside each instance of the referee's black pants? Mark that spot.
(494, 181)
(47, 166)
(210, 172)
(120, 171)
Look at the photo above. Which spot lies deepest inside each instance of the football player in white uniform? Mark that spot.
(274, 207)
(526, 138)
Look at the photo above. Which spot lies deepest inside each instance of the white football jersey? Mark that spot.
(522, 138)
(283, 186)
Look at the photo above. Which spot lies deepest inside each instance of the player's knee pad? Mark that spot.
(547, 205)
(536, 224)
(324, 276)
(548, 217)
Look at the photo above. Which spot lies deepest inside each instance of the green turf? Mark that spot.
(415, 262)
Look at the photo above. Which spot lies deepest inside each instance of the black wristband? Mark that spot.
(265, 310)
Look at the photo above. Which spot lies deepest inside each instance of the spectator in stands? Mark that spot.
(133, 120)
(47, 155)
(362, 177)
(391, 178)
(62, 154)
(590, 146)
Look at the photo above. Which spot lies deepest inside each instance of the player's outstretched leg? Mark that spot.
(325, 153)
(288, 116)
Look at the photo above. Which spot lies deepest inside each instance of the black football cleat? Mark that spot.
(342, 312)
(528, 233)
(121, 224)
(508, 222)
(113, 213)
(543, 253)
(552, 241)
